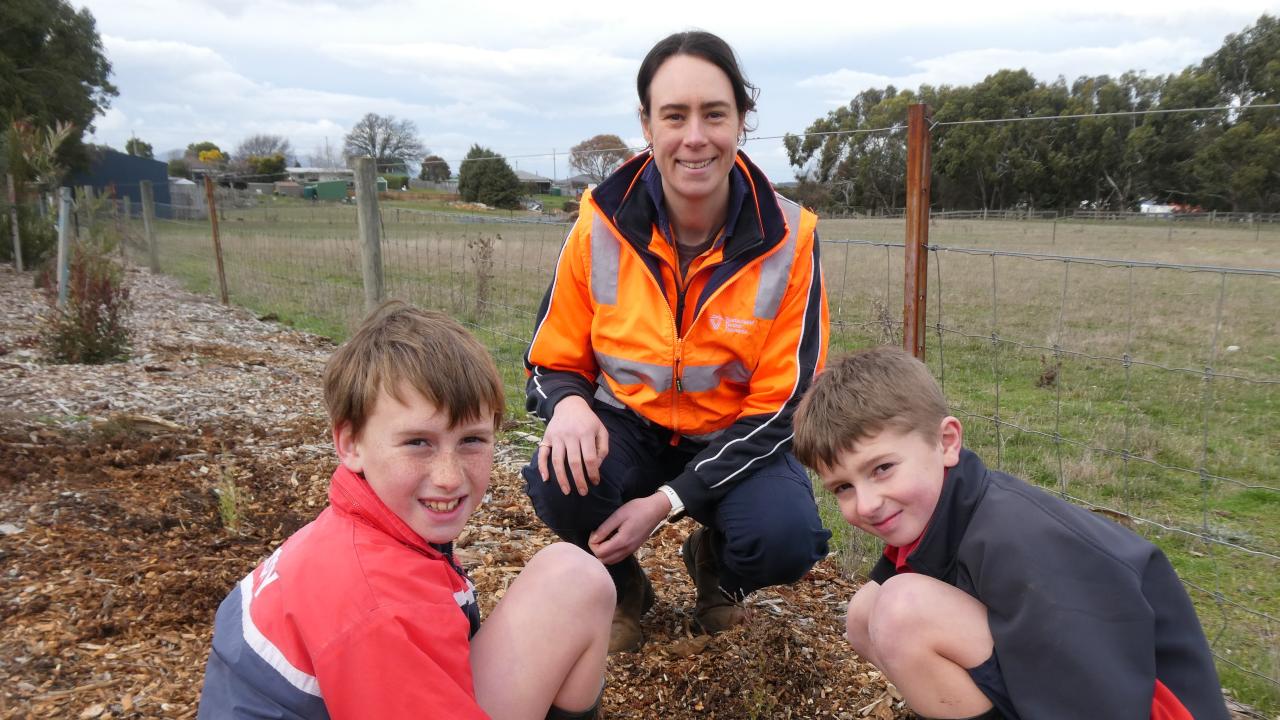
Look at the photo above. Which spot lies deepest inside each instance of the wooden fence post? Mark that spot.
(64, 242)
(367, 219)
(916, 264)
(13, 222)
(148, 225)
(217, 242)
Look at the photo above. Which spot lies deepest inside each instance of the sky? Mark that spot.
(530, 80)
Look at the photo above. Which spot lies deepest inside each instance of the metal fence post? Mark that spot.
(916, 263)
(367, 219)
(64, 242)
(13, 221)
(148, 225)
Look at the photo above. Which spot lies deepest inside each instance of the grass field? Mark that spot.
(1139, 385)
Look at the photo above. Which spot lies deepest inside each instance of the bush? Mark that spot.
(395, 182)
(91, 329)
(486, 177)
(39, 237)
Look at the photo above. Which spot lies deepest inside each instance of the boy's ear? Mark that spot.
(951, 436)
(345, 443)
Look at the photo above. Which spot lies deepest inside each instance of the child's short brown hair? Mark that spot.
(861, 394)
(429, 351)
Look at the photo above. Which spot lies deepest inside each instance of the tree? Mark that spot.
(179, 168)
(486, 177)
(52, 69)
(263, 146)
(599, 156)
(195, 149)
(212, 157)
(385, 139)
(138, 148)
(266, 168)
(434, 169)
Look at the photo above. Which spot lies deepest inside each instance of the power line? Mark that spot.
(1118, 113)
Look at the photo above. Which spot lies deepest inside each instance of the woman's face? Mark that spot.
(693, 125)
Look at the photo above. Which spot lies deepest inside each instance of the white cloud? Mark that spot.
(523, 78)
(1155, 56)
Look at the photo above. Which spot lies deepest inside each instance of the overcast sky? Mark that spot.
(530, 79)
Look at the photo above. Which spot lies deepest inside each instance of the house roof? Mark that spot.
(328, 171)
(524, 176)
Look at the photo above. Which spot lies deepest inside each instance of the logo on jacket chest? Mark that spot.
(733, 325)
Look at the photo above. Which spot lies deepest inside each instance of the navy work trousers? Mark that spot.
(766, 524)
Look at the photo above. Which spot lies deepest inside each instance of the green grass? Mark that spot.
(1133, 439)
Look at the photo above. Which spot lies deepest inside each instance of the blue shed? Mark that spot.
(110, 168)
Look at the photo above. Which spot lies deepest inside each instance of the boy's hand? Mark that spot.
(623, 532)
(576, 442)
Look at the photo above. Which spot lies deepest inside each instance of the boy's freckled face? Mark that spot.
(430, 475)
(888, 484)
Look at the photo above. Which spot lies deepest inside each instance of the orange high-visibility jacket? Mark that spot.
(721, 358)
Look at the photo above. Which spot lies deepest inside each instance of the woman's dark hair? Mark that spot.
(700, 44)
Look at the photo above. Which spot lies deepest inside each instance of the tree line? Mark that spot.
(1219, 160)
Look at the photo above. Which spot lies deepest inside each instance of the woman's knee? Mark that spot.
(773, 553)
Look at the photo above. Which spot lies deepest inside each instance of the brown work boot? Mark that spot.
(714, 610)
(635, 597)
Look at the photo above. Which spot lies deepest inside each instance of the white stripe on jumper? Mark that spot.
(267, 650)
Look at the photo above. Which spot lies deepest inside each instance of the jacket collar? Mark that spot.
(962, 489)
(632, 204)
(350, 494)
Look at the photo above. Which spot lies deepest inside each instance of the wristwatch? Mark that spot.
(677, 506)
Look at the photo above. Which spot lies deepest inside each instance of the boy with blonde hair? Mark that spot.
(993, 599)
(364, 613)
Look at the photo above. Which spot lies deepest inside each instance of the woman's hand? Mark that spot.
(623, 532)
(576, 442)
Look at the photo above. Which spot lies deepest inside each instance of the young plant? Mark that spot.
(91, 328)
(228, 501)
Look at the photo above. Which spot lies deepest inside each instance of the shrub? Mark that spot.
(486, 177)
(395, 182)
(39, 237)
(92, 328)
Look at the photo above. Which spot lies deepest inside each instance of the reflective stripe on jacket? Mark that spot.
(721, 359)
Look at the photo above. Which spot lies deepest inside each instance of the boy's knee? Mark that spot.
(903, 607)
(917, 616)
(574, 570)
(861, 605)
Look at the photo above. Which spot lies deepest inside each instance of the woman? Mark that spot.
(684, 322)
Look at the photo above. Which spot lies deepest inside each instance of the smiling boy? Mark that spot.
(364, 613)
(993, 599)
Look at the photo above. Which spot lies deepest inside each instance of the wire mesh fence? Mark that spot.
(1133, 377)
